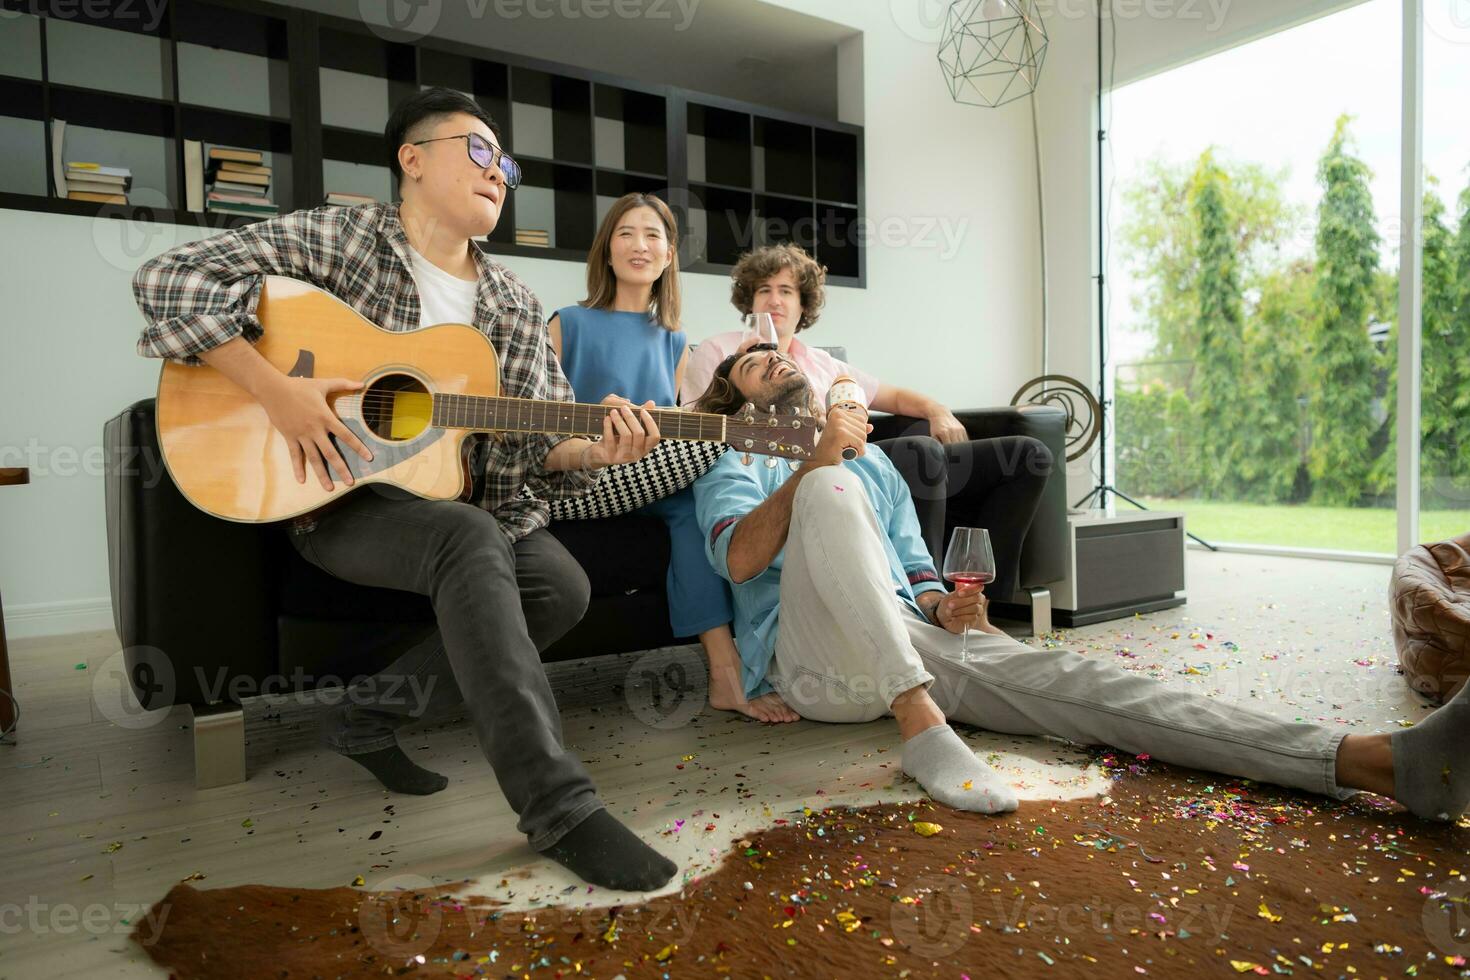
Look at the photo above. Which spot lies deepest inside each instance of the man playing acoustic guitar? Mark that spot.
(502, 587)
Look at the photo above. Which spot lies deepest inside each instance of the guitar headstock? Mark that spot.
(790, 433)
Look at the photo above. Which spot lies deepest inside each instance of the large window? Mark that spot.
(1254, 249)
(1445, 377)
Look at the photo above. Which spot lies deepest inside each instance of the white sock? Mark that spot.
(944, 765)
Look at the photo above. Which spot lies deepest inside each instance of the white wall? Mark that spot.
(1152, 36)
(950, 307)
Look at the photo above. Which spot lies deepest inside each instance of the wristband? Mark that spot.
(582, 460)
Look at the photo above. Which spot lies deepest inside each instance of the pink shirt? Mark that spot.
(820, 368)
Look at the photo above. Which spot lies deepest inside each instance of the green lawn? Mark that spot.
(1304, 526)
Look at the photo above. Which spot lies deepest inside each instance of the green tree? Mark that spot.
(1220, 327)
(1440, 291)
(1454, 350)
(1160, 242)
(1340, 405)
(1270, 436)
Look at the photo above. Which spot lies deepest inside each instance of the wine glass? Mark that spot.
(969, 561)
(761, 327)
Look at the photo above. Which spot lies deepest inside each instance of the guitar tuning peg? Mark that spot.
(771, 462)
(746, 459)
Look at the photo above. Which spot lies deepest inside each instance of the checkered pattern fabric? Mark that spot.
(672, 466)
(203, 294)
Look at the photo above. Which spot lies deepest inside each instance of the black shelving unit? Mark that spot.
(760, 176)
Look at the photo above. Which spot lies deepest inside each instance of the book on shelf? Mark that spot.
(235, 154)
(194, 175)
(231, 166)
(93, 186)
(96, 183)
(261, 180)
(533, 237)
(343, 199)
(233, 188)
(246, 202)
(96, 198)
(58, 169)
(237, 181)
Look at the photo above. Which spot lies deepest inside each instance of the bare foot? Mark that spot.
(726, 692)
(766, 708)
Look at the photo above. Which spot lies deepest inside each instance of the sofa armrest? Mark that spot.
(191, 594)
(1044, 554)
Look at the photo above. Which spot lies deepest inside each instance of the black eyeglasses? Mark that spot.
(484, 155)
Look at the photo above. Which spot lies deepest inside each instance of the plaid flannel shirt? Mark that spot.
(203, 294)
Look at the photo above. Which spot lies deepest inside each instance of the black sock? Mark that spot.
(398, 773)
(600, 850)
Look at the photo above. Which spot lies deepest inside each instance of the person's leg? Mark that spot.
(842, 653)
(1017, 689)
(419, 683)
(997, 484)
(457, 555)
(700, 605)
(1020, 690)
(925, 467)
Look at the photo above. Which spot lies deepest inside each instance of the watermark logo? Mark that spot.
(665, 689)
(398, 20)
(137, 696)
(933, 916)
(403, 918)
(1446, 918)
(127, 235)
(1448, 20)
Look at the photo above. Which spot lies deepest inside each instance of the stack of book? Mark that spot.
(239, 182)
(343, 199)
(97, 183)
(533, 237)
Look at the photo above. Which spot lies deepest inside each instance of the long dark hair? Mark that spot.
(721, 397)
(602, 284)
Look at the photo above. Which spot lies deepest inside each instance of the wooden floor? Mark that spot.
(98, 821)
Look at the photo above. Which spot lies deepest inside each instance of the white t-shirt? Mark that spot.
(442, 298)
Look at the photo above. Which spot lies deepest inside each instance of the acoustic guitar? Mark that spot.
(425, 394)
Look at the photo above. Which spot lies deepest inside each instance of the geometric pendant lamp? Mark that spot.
(991, 50)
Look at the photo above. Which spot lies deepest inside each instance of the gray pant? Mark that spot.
(497, 606)
(847, 645)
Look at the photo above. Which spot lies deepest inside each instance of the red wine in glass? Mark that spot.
(970, 578)
(969, 561)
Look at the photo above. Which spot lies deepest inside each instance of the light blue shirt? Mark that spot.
(730, 490)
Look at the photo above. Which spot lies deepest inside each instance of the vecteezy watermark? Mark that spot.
(146, 13)
(1446, 917)
(397, 19)
(405, 914)
(924, 20)
(936, 914)
(95, 919)
(133, 688)
(126, 235)
(1449, 20)
(939, 233)
(666, 689)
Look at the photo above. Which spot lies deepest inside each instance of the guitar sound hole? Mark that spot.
(397, 407)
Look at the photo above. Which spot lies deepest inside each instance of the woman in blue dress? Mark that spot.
(625, 340)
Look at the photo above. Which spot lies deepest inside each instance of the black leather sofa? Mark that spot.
(207, 609)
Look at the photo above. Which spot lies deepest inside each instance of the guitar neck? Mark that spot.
(495, 414)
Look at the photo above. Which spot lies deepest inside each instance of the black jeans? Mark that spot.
(991, 483)
(497, 605)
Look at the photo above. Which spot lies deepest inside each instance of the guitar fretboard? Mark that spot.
(494, 414)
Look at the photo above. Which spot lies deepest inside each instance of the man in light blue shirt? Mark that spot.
(838, 610)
